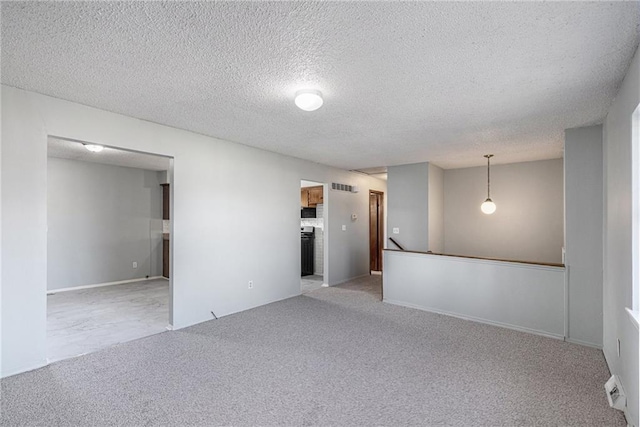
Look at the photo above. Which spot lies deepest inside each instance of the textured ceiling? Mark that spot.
(403, 82)
(72, 150)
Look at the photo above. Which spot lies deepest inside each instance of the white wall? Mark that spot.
(528, 222)
(436, 209)
(408, 206)
(618, 269)
(102, 218)
(24, 243)
(518, 296)
(1, 137)
(583, 233)
(217, 244)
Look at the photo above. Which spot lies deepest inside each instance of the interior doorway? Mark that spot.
(376, 230)
(312, 235)
(108, 225)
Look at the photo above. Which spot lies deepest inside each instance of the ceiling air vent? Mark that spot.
(344, 187)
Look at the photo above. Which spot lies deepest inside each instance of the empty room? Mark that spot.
(469, 178)
(105, 238)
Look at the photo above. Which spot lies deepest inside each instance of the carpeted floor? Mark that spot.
(86, 320)
(335, 356)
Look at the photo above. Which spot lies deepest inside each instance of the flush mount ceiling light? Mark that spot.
(309, 99)
(93, 148)
(488, 207)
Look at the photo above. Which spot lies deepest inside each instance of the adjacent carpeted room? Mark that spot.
(85, 320)
(335, 356)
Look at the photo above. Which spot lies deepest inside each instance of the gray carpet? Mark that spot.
(86, 320)
(335, 356)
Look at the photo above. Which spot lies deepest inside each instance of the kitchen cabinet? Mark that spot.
(310, 197)
(165, 200)
(315, 196)
(166, 192)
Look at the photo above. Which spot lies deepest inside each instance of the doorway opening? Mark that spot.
(108, 220)
(312, 236)
(635, 241)
(376, 230)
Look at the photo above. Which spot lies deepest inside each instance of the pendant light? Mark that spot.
(488, 207)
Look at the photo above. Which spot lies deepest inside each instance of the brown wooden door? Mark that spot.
(376, 231)
(165, 258)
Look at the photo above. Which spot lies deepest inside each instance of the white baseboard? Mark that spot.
(476, 319)
(24, 369)
(99, 285)
(585, 343)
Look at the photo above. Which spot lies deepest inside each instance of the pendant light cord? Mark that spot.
(488, 156)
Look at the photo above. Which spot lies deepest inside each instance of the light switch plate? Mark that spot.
(344, 228)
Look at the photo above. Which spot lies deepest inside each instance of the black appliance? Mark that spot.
(308, 213)
(307, 241)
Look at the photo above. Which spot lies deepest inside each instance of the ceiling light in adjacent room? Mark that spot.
(488, 207)
(93, 148)
(309, 99)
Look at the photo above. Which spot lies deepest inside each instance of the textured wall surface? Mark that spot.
(583, 233)
(528, 222)
(101, 218)
(436, 209)
(408, 206)
(403, 82)
(618, 232)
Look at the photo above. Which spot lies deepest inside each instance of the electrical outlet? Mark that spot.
(135, 264)
(396, 230)
(344, 228)
(250, 284)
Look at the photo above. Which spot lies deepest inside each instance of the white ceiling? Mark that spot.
(403, 82)
(72, 150)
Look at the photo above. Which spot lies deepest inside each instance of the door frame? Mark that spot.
(171, 210)
(380, 233)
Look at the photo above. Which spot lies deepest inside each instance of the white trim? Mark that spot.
(99, 285)
(476, 319)
(567, 278)
(454, 258)
(635, 317)
(635, 208)
(584, 343)
(23, 370)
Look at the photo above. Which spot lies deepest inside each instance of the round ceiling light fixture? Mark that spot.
(309, 99)
(94, 148)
